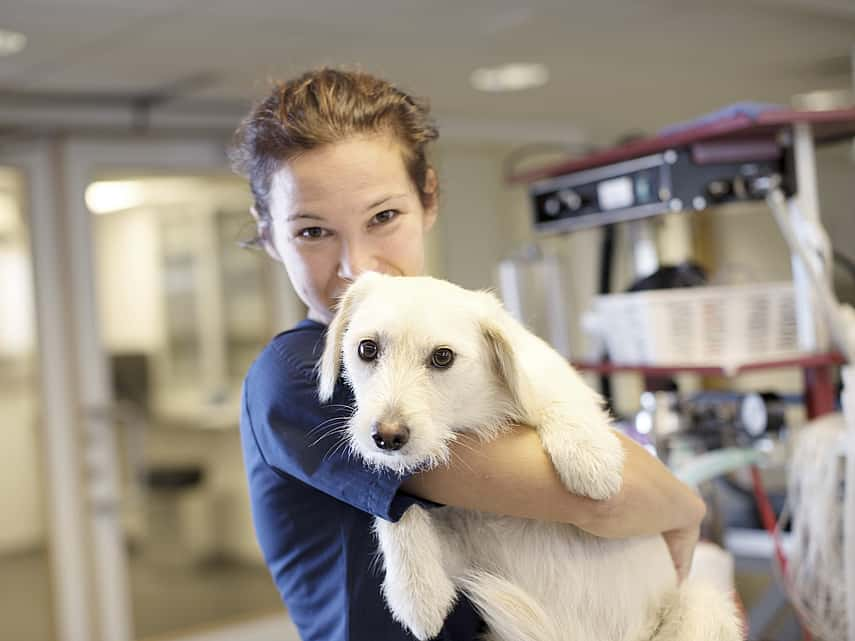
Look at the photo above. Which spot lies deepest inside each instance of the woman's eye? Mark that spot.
(312, 233)
(384, 217)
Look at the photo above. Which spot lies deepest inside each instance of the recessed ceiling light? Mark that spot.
(11, 42)
(109, 196)
(514, 76)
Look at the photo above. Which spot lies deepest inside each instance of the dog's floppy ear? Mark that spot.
(330, 364)
(501, 351)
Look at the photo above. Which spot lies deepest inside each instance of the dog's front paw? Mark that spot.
(593, 486)
(418, 590)
(591, 467)
(423, 617)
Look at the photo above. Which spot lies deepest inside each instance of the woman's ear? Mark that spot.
(265, 234)
(431, 190)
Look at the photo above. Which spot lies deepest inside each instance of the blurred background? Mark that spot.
(129, 314)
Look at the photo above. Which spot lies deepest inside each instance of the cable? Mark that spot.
(777, 203)
(767, 518)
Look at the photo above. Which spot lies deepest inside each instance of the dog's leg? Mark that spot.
(698, 612)
(549, 395)
(585, 451)
(417, 587)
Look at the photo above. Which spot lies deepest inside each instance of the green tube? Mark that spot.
(709, 465)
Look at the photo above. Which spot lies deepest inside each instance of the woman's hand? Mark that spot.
(651, 501)
(681, 544)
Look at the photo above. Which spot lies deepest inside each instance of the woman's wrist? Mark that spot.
(651, 500)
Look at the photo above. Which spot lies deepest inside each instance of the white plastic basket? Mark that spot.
(723, 326)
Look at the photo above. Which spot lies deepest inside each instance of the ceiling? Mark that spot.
(616, 65)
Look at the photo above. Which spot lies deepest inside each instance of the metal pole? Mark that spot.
(848, 402)
(805, 217)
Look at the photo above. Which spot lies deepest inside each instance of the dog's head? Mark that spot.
(426, 360)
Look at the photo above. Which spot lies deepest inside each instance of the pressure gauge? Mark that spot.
(753, 414)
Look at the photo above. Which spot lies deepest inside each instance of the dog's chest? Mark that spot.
(513, 547)
(560, 565)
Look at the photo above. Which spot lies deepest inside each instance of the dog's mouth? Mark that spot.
(407, 458)
(401, 461)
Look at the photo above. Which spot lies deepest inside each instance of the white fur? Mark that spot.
(532, 581)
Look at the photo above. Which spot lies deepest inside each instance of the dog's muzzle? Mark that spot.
(390, 436)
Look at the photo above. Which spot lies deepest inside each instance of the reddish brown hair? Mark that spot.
(325, 106)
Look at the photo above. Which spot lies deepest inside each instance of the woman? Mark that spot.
(341, 184)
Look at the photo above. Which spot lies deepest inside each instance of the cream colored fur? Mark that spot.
(533, 581)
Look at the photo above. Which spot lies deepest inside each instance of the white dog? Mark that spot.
(428, 360)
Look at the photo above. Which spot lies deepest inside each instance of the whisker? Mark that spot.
(464, 444)
(342, 406)
(377, 565)
(332, 451)
(459, 460)
(327, 422)
(333, 432)
(343, 443)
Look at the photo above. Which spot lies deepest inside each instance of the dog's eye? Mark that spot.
(442, 358)
(368, 350)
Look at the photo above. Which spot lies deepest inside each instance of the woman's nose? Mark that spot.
(355, 260)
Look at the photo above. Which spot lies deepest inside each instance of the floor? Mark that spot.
(169, 599)
(165, 599)
(769, 615)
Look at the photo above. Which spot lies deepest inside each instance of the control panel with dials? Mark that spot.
(688, 179)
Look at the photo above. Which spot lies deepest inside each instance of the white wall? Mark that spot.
(21, 486)
(129, 274)
(470, 234)
(836, 177)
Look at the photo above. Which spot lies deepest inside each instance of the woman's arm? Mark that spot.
(513, 475)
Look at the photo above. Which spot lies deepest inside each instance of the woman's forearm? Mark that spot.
(513, 475)
(651, 500)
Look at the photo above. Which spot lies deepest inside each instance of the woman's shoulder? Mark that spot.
(294, 352)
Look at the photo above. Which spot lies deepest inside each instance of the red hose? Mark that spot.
(770, 523)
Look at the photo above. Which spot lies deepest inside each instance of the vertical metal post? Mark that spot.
(210, 315)
(71, 581)
(112, 585)
(848, 402)
(805, 216)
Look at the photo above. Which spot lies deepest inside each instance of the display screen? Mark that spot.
(616, 193)
(643, 188)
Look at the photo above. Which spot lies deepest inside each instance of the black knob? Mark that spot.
(571, 199)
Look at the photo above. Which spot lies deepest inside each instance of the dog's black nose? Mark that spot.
(390, 436)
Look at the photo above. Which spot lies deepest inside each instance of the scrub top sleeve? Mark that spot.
(298, 436)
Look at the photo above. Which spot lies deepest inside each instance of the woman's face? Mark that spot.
(343, 209)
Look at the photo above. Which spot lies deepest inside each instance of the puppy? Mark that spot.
(427, 361)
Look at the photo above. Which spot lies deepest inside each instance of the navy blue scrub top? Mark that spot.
(313, 502)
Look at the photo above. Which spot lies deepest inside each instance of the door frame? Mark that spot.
(89, 566)
(82, 160)
(71, 586)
